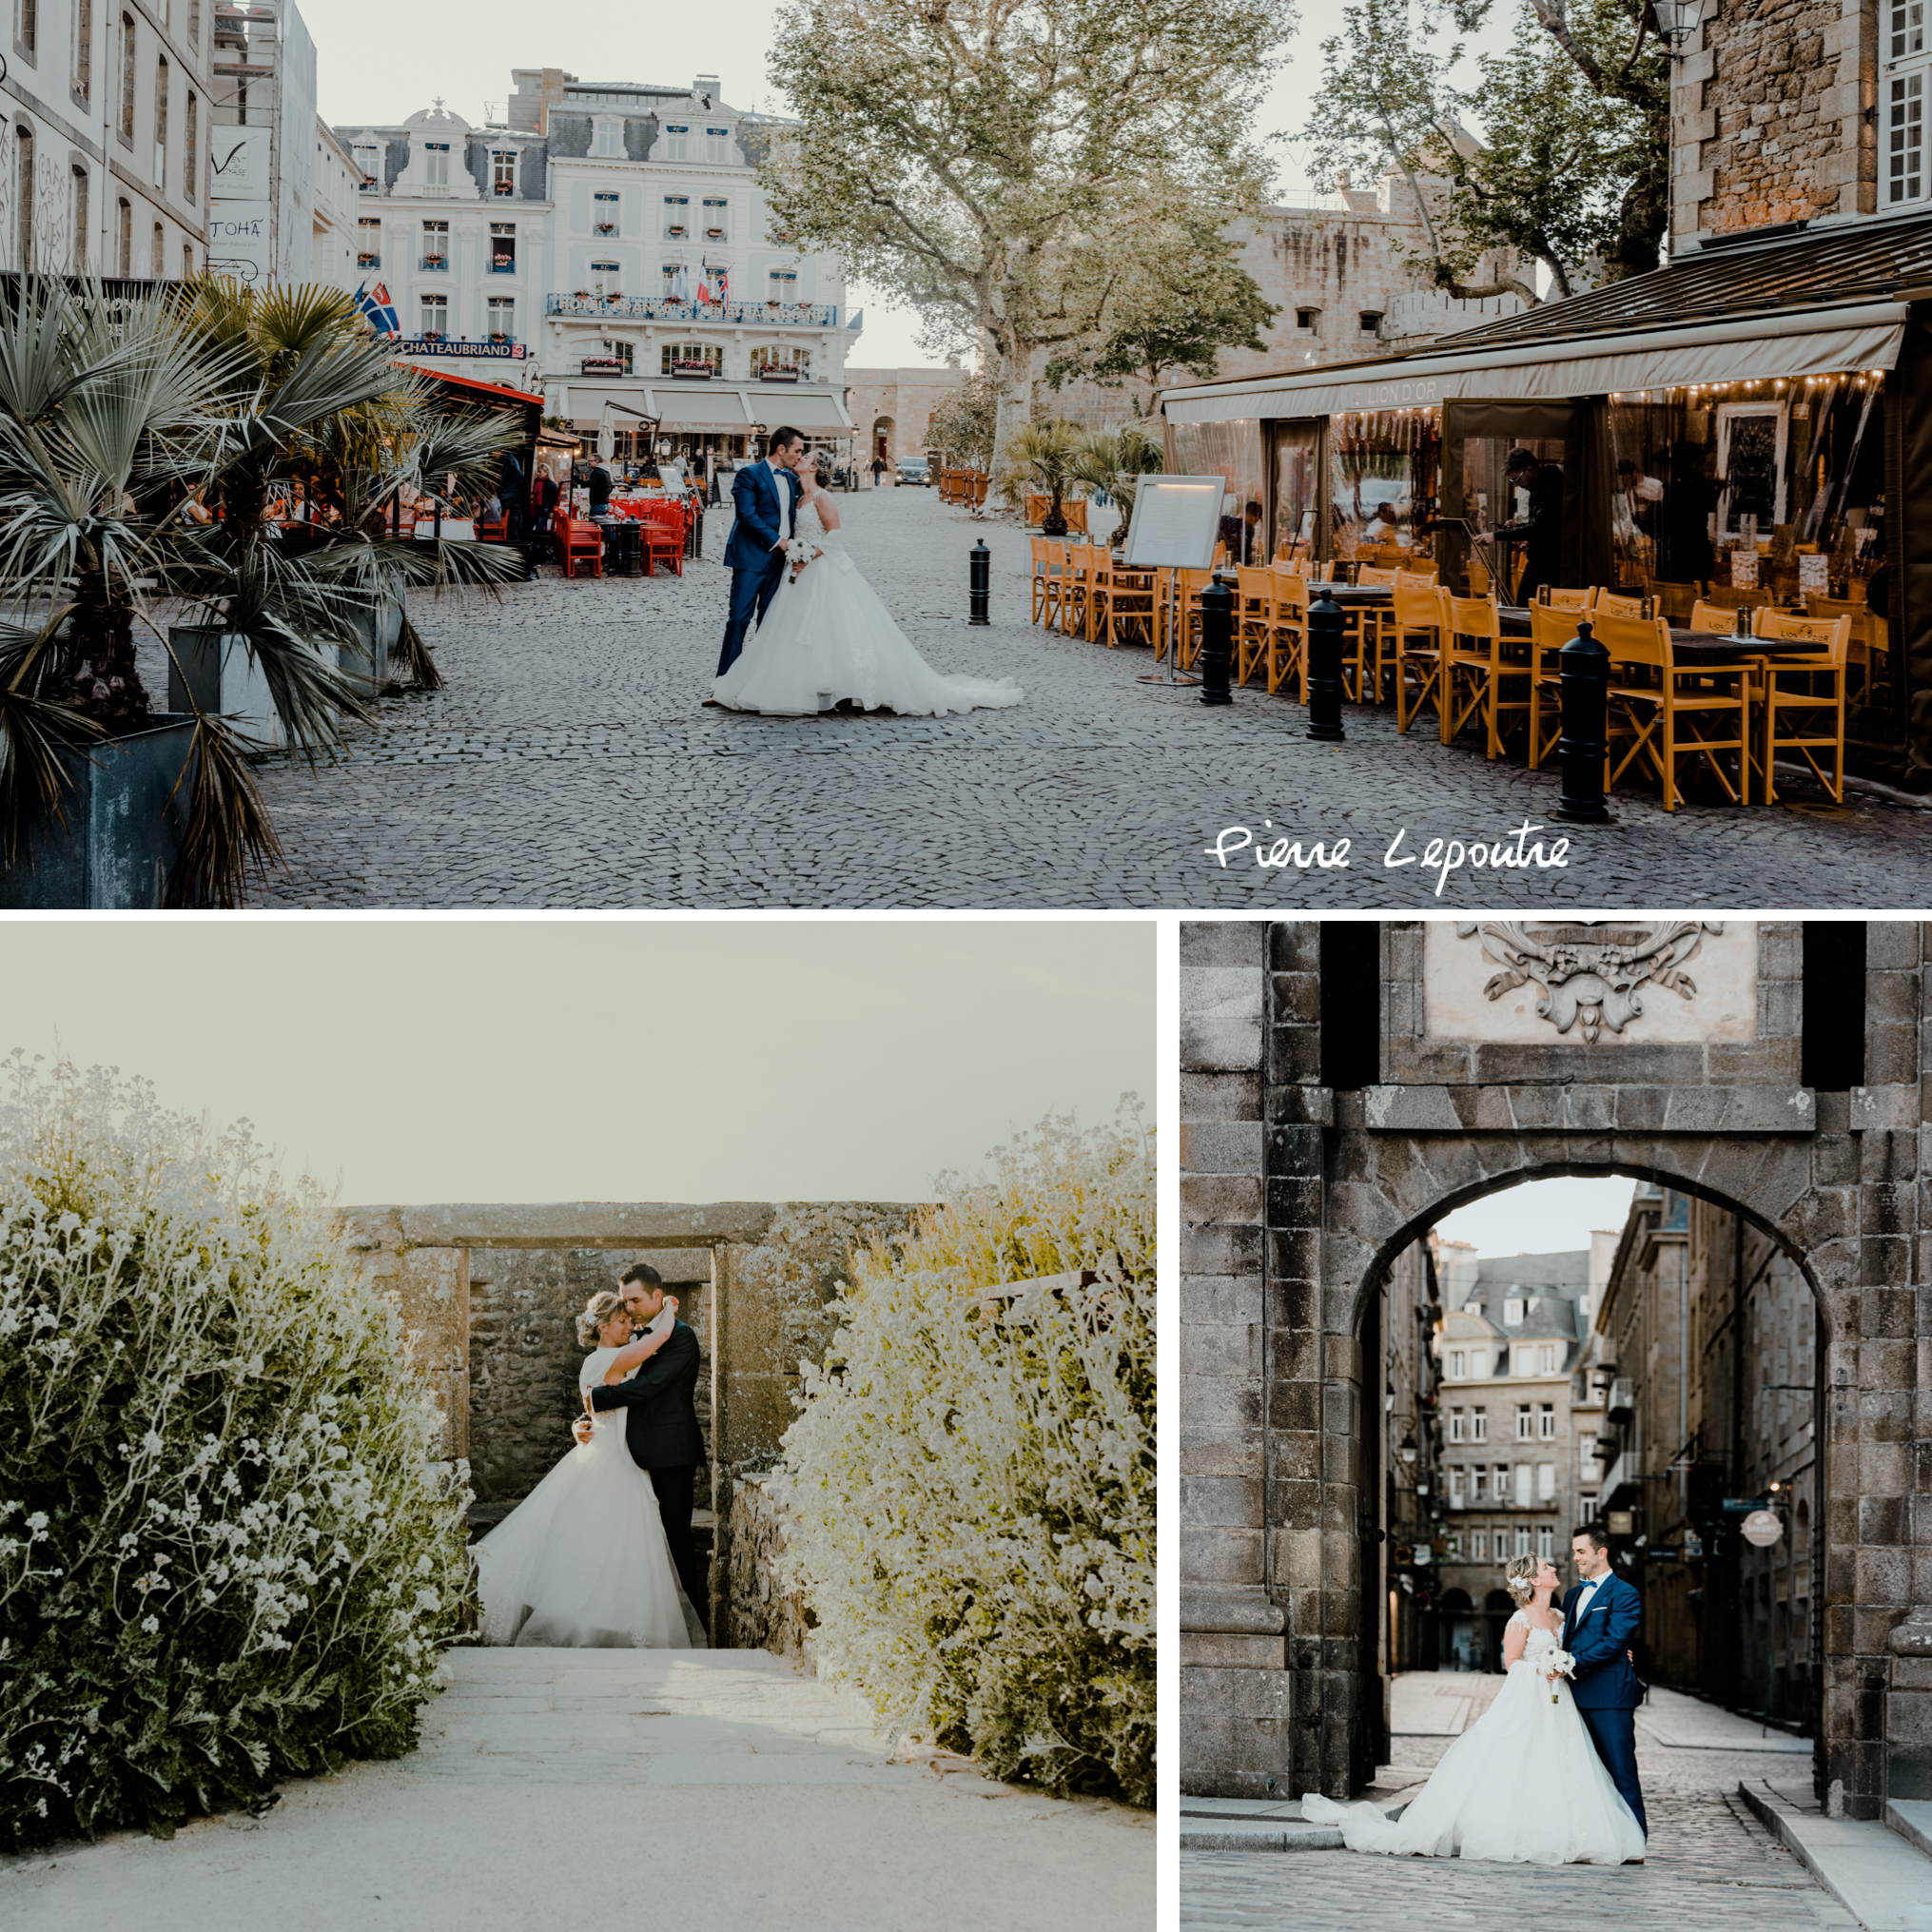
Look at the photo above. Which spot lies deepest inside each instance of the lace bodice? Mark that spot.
(810, 525)
(1539, 1641)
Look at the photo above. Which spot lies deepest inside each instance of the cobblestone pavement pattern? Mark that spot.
(1711, 1868)
(569, 764)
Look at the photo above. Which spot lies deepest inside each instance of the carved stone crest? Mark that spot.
(1589, 971)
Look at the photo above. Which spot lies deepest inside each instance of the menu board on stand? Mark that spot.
(1176, 526)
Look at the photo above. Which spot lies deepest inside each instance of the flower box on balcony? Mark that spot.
(579, 295)
(715, 234)
(769, 374)
(498, 335)
(604, 228)
(602, 365)
(368, 260)
(692, 372)
(438, 261)
(675, 231)
(434, 336)
(505, 188)
(502, 264)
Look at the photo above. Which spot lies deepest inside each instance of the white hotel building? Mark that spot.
(570, 246)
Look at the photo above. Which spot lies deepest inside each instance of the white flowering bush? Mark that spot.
(970, 1481)
(225, 1554)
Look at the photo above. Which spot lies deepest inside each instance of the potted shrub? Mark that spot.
(196, 397)
(1041, 454)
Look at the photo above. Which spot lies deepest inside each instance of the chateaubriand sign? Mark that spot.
(494, 352)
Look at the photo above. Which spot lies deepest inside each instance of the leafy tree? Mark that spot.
(1575, 110)
(1009, 167)
(963, 423)
(1198, 302)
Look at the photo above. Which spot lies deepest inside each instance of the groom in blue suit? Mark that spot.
(763, 495)
(1601, 1618)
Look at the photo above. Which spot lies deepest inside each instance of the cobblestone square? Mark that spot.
(1711, 1868)
(569, 764)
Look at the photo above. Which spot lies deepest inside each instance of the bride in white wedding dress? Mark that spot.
(1523, 1784)
(581, 1561)
(828, 637)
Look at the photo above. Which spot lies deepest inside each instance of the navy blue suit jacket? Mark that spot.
(754, 496)
(1602, 1679)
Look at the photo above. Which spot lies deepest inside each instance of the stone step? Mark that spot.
(1911, 1818)
(1879, 1875)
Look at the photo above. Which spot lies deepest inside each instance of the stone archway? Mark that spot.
(883, 428)
(1335, 1106)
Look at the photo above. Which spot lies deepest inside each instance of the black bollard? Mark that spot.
(1582, 746)
(981, 576)
(1323, 673)
(1217, 641)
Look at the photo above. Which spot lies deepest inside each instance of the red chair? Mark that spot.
(663, 536)
(493, 530)
(583, 543)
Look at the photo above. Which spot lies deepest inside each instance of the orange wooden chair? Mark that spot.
(1485, 676)
(1804, 695)
(1551, 626)
(1661, 712)
(1256, 615)
(660, 534)
(1416, 622)
(1288, 648)
(1366, 651)
(1611, 604)
(583, 548)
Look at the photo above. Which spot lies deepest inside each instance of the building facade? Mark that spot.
(106, 164)
(893, 409)
(611, 241)
(1709, 1345)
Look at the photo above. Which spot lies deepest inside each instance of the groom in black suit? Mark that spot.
(661, 1430)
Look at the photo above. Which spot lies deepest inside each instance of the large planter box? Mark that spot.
(125, 809)
(215, 669)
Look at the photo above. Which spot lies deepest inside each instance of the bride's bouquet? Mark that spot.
(1555, 1664)
(802, 552)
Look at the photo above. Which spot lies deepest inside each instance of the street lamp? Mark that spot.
(1677, 21)
(1407, 1450)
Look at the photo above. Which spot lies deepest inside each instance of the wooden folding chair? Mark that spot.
(1129, 601)
(1078, 588)
(1808, 690)
(1613, 604)
(1257, 615)
(1673, 601)
(1188, 587)
(1865, 657)
(1042, 577)
(1369, 653)
(1551, 627)
(1416, 622)
(1483, 676)
(1661, 712)
(1554, 598)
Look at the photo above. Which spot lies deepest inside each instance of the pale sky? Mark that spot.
(1541, 1217)
(416, 1060)
(380, 61)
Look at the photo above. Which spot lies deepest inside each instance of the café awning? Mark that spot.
(1807, 343)
(804, 409)
(699, 406)
(1791, 302)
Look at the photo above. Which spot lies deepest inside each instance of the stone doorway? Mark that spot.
(1343, 1087)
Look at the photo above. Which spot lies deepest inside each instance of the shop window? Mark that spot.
(1383, 467)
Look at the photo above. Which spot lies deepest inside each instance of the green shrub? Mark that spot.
(970, 1482)
(225, 1555)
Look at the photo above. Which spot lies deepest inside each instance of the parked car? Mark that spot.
(914, 470)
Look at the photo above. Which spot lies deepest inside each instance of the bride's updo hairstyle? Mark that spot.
(597, 1311)
(1519, 1579)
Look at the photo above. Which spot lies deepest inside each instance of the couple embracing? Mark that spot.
(824, 641)
(599, 1554)
(1547, 1774)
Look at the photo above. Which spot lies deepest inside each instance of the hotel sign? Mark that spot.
(494, 352)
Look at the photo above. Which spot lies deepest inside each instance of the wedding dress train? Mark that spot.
(1522, 1785)
(827, 637)
(581, 1561)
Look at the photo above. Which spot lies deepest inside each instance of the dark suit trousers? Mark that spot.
(752, 595)
(675, 1489)
(1614, 1734)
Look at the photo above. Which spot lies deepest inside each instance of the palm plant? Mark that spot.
(1041, 454)
(118, 419)
(1114, 461)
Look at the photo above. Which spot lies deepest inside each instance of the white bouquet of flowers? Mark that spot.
(802, 551)
(1557, 1664)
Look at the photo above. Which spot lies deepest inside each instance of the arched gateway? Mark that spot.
(1345, 1085)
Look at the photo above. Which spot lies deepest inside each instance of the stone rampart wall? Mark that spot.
(765, 1613)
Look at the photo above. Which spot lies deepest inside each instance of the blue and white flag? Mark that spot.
(374, 305)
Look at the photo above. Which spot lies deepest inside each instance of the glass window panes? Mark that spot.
(718, 143)
(1479, 1425)
(717, 225)
(1233, 451)
(1298, 496)
(604, 206)
(436, 163)
(435, 315)
(610, 137)
(1458, 1361)
(1382, 479)
(677, 141)
(503, 172)
(1523, 1422)
(1546, 1544)
(783, 285)
(781, 358)
(1907, 28)
(690, 359)
(1479, 1546)
(1458, 1423)
(503, 313)
(1906, 139)
(677, 215)
(368, 243)
(1523, 1536)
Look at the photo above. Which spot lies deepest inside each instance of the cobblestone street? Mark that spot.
(569, 764)
(1711, 1863)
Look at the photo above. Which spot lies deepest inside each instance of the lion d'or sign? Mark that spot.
(1593, 982)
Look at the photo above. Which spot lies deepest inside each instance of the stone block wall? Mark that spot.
(765, 1613)
(1768, 117)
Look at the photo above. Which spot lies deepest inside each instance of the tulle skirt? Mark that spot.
(826, 637)
(1523, 1785)
(582, 1561)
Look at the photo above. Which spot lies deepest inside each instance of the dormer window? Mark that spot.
(677, 141)
(368, 159)
(603, 213)
(717, 145)
(503, 172)
(436, 163)
(610, 142)
(1513, 1313)
(1480, 1361)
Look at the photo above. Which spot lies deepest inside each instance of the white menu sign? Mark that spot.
(1177, 522)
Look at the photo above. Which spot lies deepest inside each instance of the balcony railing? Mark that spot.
(501, 265)
(366, 261)
(437, 262)
(815, 314)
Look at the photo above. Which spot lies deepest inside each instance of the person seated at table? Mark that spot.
(1242, 535)
(1542, 529)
